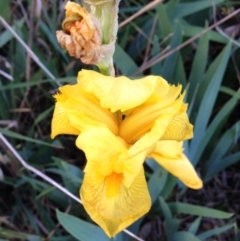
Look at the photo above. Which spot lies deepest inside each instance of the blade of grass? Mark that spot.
(206, 97)
(215, 231)
(188, 8)
(216, 125)
(178, 207)
(198, 67)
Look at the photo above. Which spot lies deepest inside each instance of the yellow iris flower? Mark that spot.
(120, 122)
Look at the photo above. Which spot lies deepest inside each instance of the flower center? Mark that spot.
(89, 106)
(139, 122)
(113, 183)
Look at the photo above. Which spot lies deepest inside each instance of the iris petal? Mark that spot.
(60, 121)
(178, 164)
(118, 93)
(117, 212)
(179, 128)
(100, 157)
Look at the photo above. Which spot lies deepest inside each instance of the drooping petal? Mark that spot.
(169, 155)
(60, 121)
(102, 150)
(118, 93)
(117, 208)
(107, 153)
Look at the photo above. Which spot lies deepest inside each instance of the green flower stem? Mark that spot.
(106, 11)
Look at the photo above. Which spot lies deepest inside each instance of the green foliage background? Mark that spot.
(153, 43)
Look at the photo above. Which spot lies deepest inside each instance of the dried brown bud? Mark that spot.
(81, 35)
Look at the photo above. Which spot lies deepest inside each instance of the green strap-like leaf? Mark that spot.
(188, 8)
(124, 62)
(216, 126)
(169, 224)
(157, 182)
(206, 97)
(198, 67)
(215, 231)
(81, 230)
(195, 225)
(186, 208)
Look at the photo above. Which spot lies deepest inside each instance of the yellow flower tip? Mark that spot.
(197, 184)
(169, 155)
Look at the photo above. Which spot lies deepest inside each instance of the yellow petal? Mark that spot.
(179, 128)
(115, 212)
(60, 121)
(102, 150)
(142, 118)
(176, 163)
(148, 141)
(77, 100)
(118, 93)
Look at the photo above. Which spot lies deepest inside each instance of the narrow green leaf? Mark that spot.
(170, 6)
(198, 67)
(164, 22)
(184, 236)
(188, 8)
(229, 138)
(180, 76)
(124, 62)
(215, 231)
(6, 233)
(220, 165)
(171, 62)
(81, 230)
(206, 97)
(198, 210)
(168, 219)
(4, 9)
(157, 68)
(191, 31)
(195, 225)
(25, 138)
(11, 86)
(169, 185)
(157, 182)
(216, 125)
(43, 115)
(7, 35)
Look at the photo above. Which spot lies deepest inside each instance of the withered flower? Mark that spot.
(82, 37)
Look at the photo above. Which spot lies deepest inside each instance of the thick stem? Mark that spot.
(106, 11)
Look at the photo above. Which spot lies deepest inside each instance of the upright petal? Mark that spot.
(118, 93)
(115, 212)
(169, 155)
